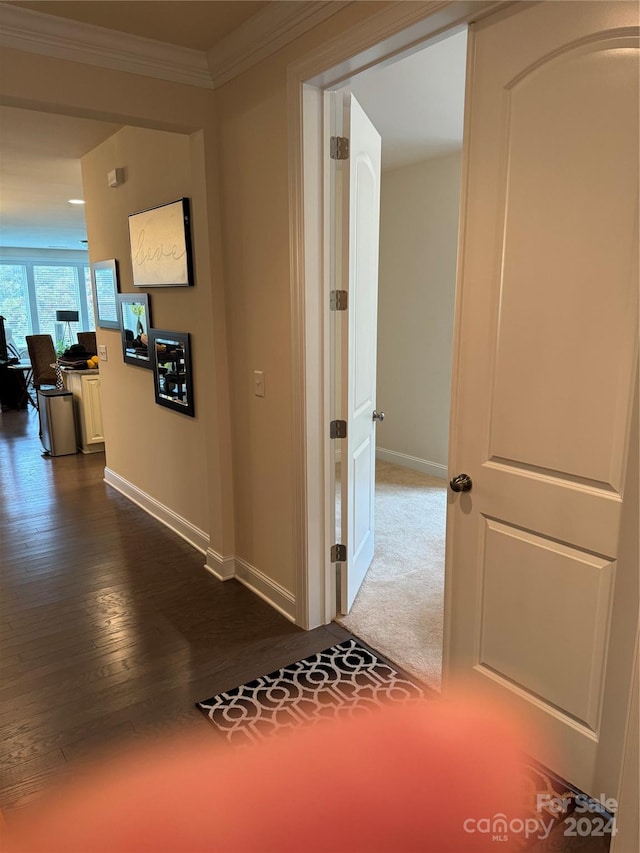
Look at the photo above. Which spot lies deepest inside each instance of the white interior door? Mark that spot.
(360, 239)
(542, 589)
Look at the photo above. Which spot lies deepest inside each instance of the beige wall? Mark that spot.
(252, 115)
(241, 159)
(418, 245)
(158, 450)
(38, 82)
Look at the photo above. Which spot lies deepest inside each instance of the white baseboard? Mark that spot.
(277, 596)
(189, 532)
(434, 469)
(222, 568)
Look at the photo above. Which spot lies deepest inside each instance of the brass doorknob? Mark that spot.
(461, 483)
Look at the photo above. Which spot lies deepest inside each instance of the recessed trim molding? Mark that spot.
(222, 568)
(267, 589)
(425, 466)
(197, 538)
(259, 37)
(50, 35)
(265, 33)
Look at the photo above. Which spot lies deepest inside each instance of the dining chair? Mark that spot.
(42, 355)
(88, 341)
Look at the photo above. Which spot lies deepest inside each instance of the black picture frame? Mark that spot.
(105, 286)
(160, 243)
(172, 374)
(134, 315)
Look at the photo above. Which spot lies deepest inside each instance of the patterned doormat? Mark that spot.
(344, 680)
(349, 679)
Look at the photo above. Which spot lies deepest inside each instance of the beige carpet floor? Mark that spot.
(399, 609)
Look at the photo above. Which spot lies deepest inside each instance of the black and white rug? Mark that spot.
(344, 680)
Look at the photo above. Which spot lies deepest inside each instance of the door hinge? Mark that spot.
(338, 553)
(338, 429)
(339, 148)
(338, 300)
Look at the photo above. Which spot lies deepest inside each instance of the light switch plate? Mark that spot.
(102, 352)
(258, 383)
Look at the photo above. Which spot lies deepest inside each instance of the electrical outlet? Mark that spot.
(102, 352)
(258, 383)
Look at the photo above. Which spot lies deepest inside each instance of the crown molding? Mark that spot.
(49, 35)
(266, 32)
(262, 35)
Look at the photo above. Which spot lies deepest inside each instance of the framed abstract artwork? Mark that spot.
(160, 240)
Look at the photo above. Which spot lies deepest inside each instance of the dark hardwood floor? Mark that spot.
(110, 627)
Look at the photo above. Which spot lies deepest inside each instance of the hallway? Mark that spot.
(110, 627)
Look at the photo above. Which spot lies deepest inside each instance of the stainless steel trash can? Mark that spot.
(57, 422)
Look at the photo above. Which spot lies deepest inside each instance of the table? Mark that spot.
(26, 369)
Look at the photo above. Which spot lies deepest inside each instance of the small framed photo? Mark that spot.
(160, 241)
(135, 322)
(172, 379)
(105, 286)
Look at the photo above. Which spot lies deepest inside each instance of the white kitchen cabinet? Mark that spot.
(85, 387)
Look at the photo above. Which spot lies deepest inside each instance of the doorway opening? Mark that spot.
(417, 106)
(517, 506)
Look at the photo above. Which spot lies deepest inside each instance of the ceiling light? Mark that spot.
(76, 201)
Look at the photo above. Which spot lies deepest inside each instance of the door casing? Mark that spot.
(397, 30)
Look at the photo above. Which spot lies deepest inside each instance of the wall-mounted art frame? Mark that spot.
(160, 240)
(105, 286)
(135, 323)
(172, 377)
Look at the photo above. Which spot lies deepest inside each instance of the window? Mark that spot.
(14, 303)
(32, 290)
(56, 289)
(91, 319)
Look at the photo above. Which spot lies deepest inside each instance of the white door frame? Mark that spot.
(396, 30)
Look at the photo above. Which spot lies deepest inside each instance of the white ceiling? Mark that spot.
(39, 173)
(416, 104)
